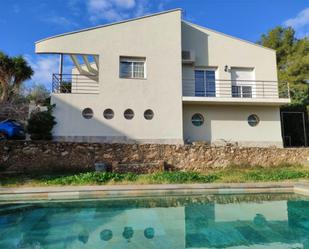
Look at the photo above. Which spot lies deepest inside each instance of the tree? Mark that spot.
(40, 124)
(292, 61)
(13, 72)
(38, 93)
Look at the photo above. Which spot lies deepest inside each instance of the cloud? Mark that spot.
(110, 10)
(61, 21)
(116, 10)
(300, 23)
(43, 67)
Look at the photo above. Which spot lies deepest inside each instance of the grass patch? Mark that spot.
(90, 178)
(276, 174)
(181, 177)
(229, 175)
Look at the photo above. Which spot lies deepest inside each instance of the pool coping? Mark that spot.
(50, 193)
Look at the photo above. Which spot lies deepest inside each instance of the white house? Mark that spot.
(159, 79)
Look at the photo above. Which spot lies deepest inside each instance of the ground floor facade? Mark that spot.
(244, 125)
(87, 120)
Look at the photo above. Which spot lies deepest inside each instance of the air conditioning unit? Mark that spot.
(188, 56)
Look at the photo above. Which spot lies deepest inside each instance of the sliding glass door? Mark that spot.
(205, 83)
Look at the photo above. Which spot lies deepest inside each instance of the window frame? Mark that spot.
(106, 115)
(202, 119)
(132, 60)
(86, 115)
(148, 114)
(206, 83)
(258, 120)
(125, 113)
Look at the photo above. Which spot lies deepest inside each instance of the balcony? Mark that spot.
(75, 84)
(235, 92)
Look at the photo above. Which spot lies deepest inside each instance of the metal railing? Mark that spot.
(75, 83)
(235, 89)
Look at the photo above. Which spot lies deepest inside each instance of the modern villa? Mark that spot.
(159, 79)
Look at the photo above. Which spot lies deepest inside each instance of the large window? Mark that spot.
(205, 83)
(132, 67)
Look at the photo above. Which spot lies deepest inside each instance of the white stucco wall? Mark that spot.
(216, 50)
(158, 38)
(229, 123)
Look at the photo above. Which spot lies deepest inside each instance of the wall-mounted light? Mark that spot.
(226, 68)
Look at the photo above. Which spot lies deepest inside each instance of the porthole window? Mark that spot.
(148, 114)
(197, 119)
(87, 113)
(108, 113)
(253, 120)
(128, 114)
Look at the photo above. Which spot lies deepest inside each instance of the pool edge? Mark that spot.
(121, 191)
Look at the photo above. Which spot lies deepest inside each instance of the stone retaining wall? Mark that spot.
(32, 157)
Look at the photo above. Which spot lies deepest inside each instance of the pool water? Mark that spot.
(209, 221)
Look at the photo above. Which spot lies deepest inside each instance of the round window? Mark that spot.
(253, 120)
(148, 114)
(197, 119)
(108, 113)
(87, 113)
(128, 114)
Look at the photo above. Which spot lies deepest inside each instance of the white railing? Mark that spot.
(75, 83)
(236, 89)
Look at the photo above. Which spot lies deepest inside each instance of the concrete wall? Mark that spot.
(158, 38)
(215, 50)
(230, 123)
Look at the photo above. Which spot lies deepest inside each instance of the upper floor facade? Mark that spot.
(163, 53)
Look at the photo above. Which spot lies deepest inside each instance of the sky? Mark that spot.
(22, 22)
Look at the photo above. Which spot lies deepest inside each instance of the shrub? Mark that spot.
(182, 177)
(92, 178)
(41, 123)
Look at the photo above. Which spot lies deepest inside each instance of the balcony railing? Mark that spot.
(235, 89)
(75, 83)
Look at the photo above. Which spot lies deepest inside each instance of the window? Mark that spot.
(243, 85)
(253, 120)
(197, 119)
(128, 114)
(108, 113)
(241, 91)
(87, 113)
(205, 83)
(132, 67)
(148, 114)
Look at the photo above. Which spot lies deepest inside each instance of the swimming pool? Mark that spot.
(171, 222)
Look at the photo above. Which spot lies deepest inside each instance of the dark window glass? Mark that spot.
(197, 119)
